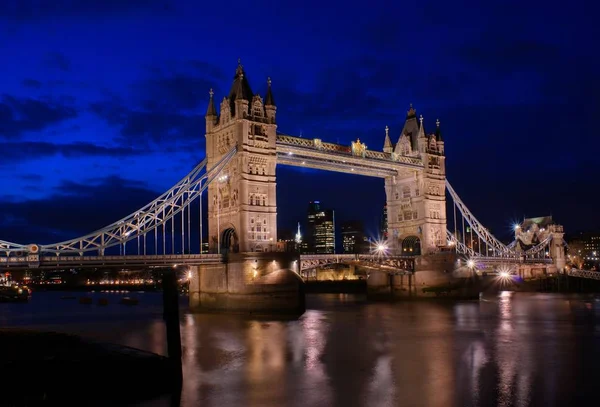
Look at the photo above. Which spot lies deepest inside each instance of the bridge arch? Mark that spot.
(229, 241)
(411, 246)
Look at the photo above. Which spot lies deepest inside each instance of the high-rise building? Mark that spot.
(320, 236)
(353, 238)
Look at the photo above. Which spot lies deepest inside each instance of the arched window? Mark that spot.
(406, 192)
(264, 203)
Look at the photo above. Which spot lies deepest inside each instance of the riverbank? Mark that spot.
(60, 369)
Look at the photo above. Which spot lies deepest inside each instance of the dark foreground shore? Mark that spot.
(46, 368)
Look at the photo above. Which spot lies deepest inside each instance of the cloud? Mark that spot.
(174, 92)
(147, 128)
(58, 61)
(18, 116)
(72, 210)
(31, 83)
(37, 9)
(30, 177)
(167, 108)
(15, 152)
(504, 55)
(178, 85)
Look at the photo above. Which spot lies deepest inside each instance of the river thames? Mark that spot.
(511, 349)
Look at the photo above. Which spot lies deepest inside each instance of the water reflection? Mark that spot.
(506, 350)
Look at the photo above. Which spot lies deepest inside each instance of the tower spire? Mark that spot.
(421, 128)
(387, 144)
(211, 110)
(269, 100)
(438, 131)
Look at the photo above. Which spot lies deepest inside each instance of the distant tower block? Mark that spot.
(242, 206)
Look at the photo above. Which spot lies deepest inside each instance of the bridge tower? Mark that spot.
(242, 206)
(416, 199)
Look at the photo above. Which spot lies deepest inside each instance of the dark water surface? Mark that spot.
(506, 350)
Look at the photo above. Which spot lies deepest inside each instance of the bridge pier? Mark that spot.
(435, 275)
(249, 283)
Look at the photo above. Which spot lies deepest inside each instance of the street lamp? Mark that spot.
(380, 248)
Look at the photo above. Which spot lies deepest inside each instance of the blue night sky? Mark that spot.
(102, 102)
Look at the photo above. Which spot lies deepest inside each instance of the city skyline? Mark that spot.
(90, 136)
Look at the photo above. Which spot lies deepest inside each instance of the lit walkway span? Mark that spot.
(314, 153)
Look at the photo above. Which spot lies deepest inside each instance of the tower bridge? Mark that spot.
(239, 174)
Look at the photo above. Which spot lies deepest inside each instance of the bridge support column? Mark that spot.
(249, 282)
(403, 285)
(378, 285)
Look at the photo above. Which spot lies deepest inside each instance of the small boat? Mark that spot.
(14, 293)
(102, 301)
(129, 301)
(85, 300)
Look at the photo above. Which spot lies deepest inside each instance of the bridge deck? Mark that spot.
(96, 261)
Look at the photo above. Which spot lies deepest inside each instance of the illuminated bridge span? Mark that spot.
(392, 263)
(243, 150)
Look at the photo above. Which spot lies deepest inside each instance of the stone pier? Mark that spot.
(435, 275)
(249, 282)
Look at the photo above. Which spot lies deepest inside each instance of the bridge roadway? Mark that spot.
(307, 262)
(34, 261)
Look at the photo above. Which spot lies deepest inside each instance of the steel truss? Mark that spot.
(395, 263)
(594, 275)
(477, 227)
(461, 248)
(9, 247)
(539, 247)
(142, 221)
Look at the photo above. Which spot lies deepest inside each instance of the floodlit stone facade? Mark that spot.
(416, 198)
(242, 204)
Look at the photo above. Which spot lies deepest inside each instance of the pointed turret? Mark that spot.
(269, 100)
(211, 110)
(411, 128)
(211, 113)
(240, 94)
(387, 144)
(270, 107)
(438, 136)
(421, 133)
(421, 138)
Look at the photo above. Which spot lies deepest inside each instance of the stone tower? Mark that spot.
(242, 206)
(416, 199)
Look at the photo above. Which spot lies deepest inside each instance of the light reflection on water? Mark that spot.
(506, 350)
